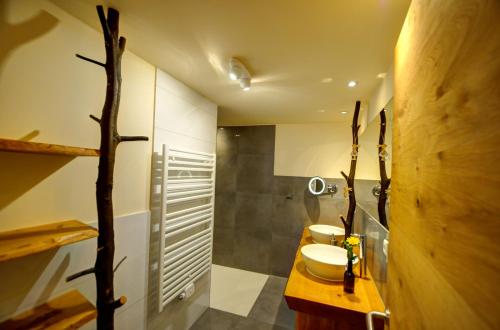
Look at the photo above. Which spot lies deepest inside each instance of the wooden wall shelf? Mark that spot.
(68, 311)
(25, 241)
(45, 148)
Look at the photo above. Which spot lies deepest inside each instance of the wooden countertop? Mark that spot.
(307, 294)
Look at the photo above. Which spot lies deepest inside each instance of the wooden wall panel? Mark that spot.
(444, 262)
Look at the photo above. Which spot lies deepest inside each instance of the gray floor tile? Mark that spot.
(269, 312)
(250, 324)
(271, 307)
(275, 284)
(214, 319)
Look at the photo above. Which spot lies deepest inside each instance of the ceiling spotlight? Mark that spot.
(352, 83)
(343, 112)
(381, 75)
(233, 76)
(321, 110)
(237, 71)
(327, 80)
(245, 83)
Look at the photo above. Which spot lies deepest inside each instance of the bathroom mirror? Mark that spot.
(317, 185)
(376, 156)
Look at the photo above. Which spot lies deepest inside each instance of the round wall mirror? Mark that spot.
(317, 185)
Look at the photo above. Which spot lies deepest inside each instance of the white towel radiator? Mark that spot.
(187, 209)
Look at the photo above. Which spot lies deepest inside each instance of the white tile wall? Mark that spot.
(45, 273)
(185, 119)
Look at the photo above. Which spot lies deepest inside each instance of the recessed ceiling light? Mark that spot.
(327, 80)
(321, 110)
(221, 128)
(381, 75)
(352, 83)
(343, 112)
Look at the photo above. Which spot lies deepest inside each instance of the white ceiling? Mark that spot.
(289, 46)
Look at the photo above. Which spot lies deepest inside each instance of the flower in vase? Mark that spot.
(352, 241)
(349, 243)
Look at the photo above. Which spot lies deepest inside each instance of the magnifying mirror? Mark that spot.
(317, 185)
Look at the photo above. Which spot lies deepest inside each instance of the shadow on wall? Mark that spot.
(15, 35)
(14, 289)
(312, 206)
(18, 174)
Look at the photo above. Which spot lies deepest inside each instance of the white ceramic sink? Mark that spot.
(323, 233)
(325, 261)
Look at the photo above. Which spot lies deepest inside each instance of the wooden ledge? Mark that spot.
(25, 241)
(45, 148)
(69, 311)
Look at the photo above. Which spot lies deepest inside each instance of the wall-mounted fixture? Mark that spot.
(237, 71)
(317, 186)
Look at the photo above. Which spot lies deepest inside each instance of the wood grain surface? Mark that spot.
(445, 199)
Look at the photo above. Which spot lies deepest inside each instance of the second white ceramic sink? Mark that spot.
(324, 233)
(325, 261)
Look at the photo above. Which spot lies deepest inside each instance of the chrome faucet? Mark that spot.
(333, 241)
(362, 254)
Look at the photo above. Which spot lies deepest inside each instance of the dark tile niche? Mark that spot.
(259, 217)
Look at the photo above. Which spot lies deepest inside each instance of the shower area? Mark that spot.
(260, 217)
(258, 222)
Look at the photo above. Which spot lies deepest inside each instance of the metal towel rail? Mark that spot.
(187, 210)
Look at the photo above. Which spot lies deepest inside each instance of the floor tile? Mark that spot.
(214, 319)
(250, 324)
(271, 307)
(235, 290)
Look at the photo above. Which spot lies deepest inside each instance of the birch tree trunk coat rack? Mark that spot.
(103, 269)
(384, 180)
(348, 221)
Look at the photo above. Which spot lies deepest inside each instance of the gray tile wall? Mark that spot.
(259, 217)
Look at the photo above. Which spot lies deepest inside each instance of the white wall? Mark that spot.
(30, 281)
(382, 95)
(46, 95)
(183, 118)
(307, 150)
(324, 149)
(187, 120)
(47, 91)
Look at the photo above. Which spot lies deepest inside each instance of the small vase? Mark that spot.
(349, 278)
